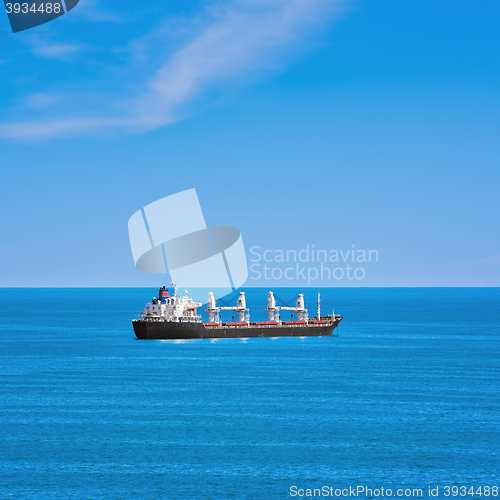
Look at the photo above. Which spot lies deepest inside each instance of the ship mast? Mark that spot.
(319, 307)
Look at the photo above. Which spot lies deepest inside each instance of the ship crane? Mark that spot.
(274, 310)
(213, 311)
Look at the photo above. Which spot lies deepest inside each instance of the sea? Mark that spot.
(405, 398)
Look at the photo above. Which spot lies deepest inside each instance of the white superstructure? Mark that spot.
(177, 308)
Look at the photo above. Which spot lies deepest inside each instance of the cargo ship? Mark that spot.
(175, 317)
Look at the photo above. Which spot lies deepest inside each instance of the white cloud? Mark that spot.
(43, 46)
(55, 128)
(60, 51)
(42, 100)
(242, 37)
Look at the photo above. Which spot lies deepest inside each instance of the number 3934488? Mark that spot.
(28, 14)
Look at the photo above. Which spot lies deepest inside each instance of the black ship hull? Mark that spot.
(162, 330)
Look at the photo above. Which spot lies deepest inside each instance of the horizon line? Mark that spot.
(299, 286)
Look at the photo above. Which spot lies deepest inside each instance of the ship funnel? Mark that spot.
(163, 294)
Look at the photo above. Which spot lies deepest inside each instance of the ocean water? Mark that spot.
(407, 396)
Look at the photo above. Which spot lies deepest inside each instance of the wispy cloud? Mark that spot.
(240, 38)
(42, 100)
(56, 128)
(47, 48)
(56, 50)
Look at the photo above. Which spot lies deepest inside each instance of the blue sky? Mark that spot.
(316, 122)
